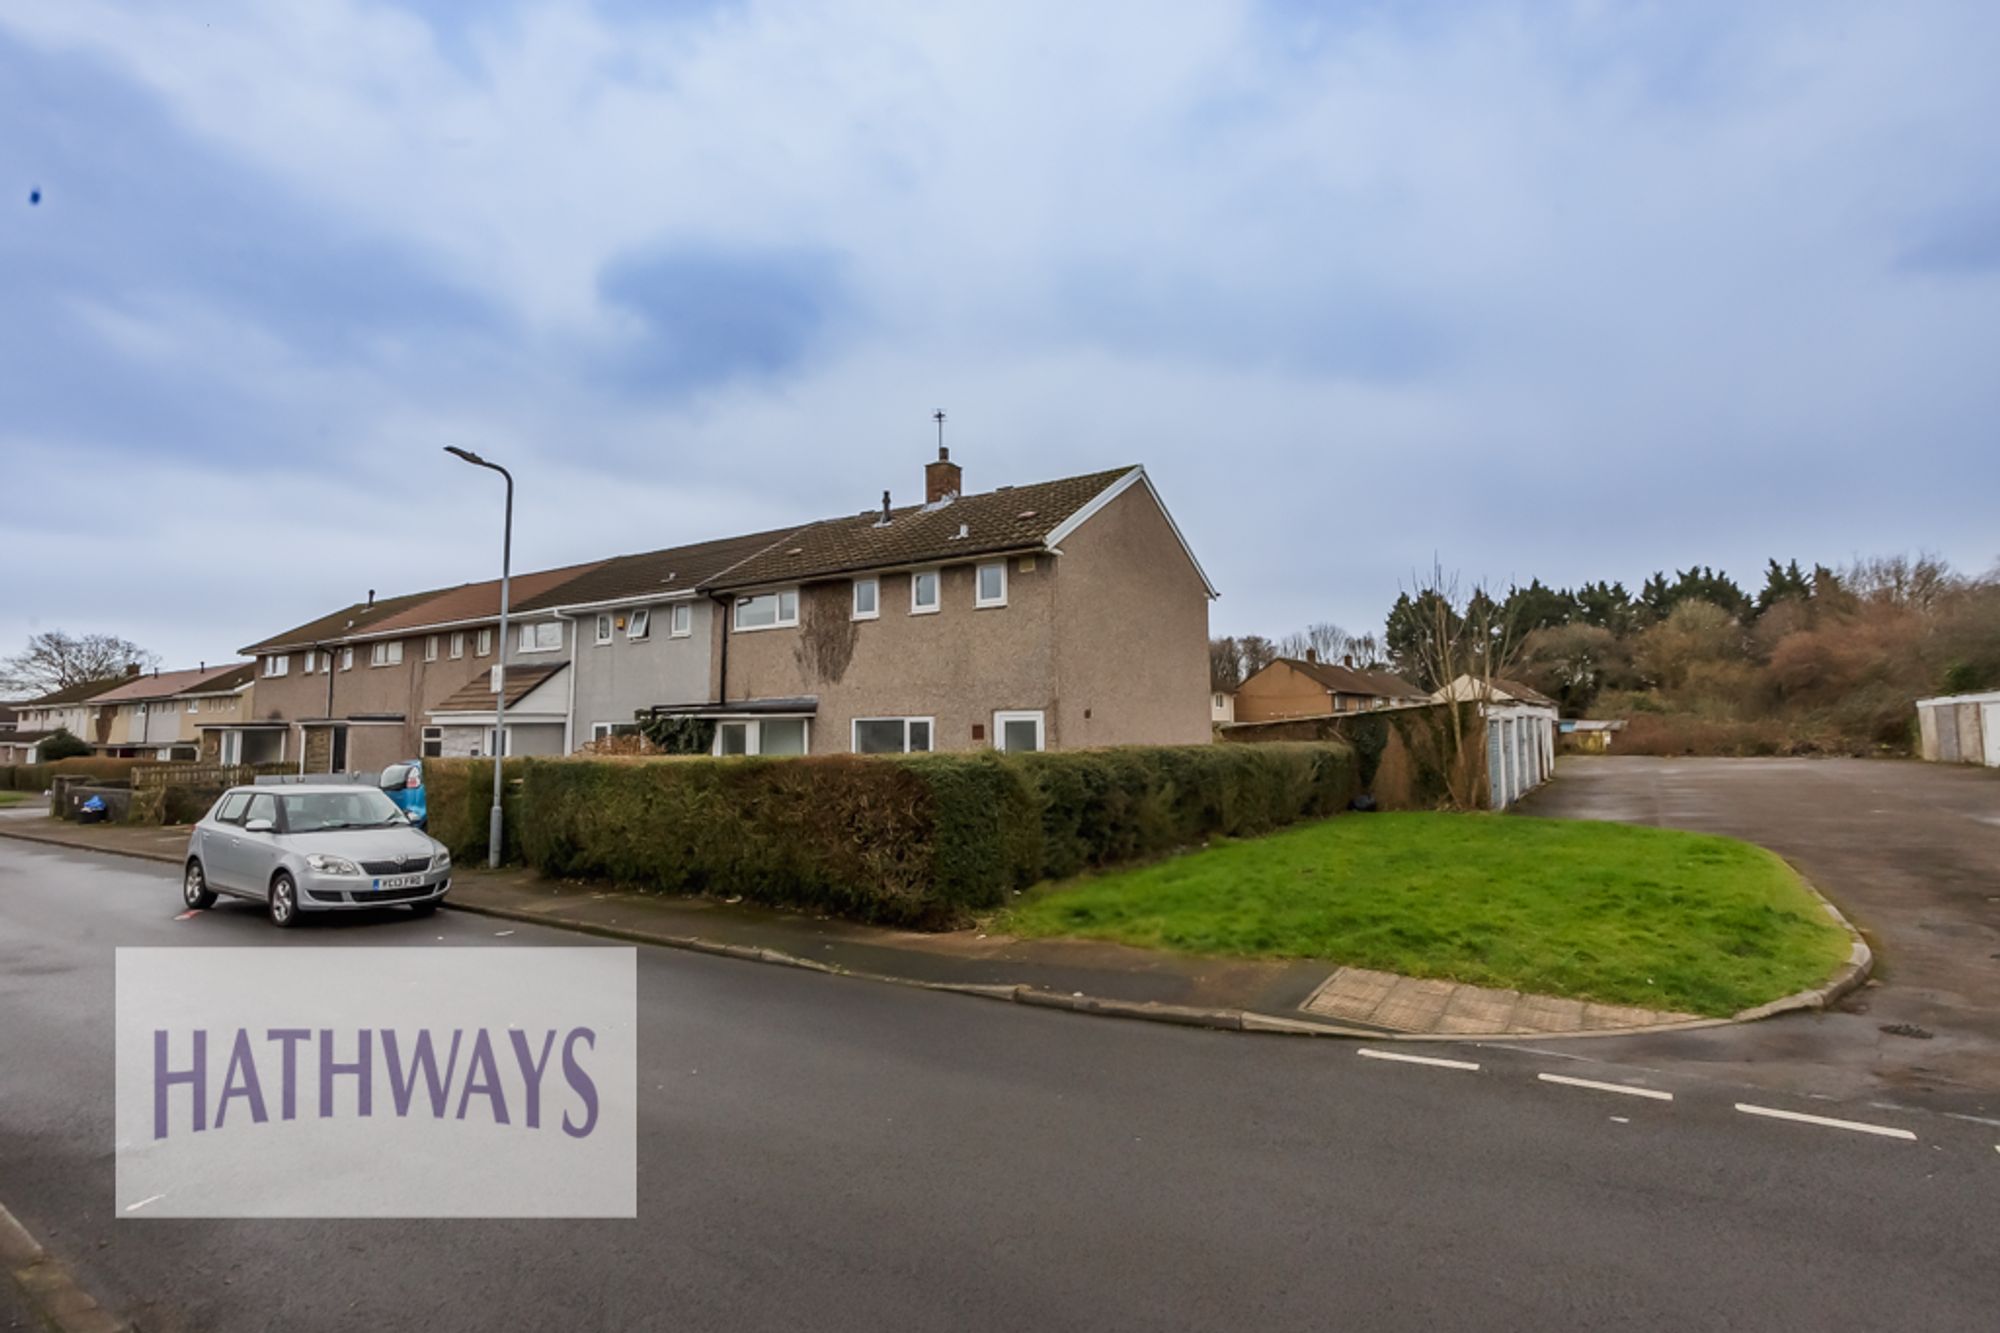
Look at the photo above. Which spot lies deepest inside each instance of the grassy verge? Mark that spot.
(8, 798)
(1600, 911)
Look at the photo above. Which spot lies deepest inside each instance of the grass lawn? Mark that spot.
(14, 797)
(1611, 912)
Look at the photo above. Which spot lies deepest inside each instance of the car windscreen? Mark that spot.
(316, 811)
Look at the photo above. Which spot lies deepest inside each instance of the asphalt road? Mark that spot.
(818, 1151)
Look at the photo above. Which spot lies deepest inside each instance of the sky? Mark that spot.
(1538, 289)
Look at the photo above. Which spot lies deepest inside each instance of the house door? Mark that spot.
(339, 760)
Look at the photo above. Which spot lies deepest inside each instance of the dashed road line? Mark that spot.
(1441, 1063)
(1859, 1126)
(135, 1207)
(1594, 1085)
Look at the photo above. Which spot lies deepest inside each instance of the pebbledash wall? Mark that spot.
(1108, 641)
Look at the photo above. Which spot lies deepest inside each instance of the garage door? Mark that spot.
(1989, 726)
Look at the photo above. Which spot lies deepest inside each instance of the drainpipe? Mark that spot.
(722, 667)
(569, 710)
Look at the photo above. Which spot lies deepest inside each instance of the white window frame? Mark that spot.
(777, 594)
(979, 599)
(385, 652)
(430, 648)
(194, 705)
(600, 730)
(278, 664)
(874, 586)
(1034, 715)
(531, 636)
(347, 658)
(431, 736)
(639, 624)
(854, 733)
(311, 661)
(483, 645)
(680, 621)
(606, 630)
(753, 735)
(937, 602)
(457, 644)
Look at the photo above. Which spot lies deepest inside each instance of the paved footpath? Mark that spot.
(816, 1151)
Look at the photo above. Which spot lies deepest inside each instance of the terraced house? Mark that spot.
(1066, 613)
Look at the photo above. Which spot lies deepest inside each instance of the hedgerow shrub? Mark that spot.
(36, 777)
(458, 801)
(919, 840)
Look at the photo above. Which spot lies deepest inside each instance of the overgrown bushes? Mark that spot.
(924, 840)
(36, 777)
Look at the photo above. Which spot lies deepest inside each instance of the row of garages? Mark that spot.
(1961, 729)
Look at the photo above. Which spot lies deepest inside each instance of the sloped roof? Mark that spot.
(477, 694)
(1526, 694)
(1007, 519)
(71, 694)
(353, 619)
(676, 569)
(1352, 680)
(478, 601)
(166, 684)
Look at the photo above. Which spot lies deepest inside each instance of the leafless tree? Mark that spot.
(54, 661)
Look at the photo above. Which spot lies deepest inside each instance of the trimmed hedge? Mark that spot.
(922, 840)
(36, 777)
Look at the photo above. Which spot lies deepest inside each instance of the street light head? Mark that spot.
(467, 455)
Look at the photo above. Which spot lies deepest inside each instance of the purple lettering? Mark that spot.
(581, 1082)
(196, 1077)
(489, 1086)
(246, 1086)
(403, 1089)
(531, 1071)
(362, 1070)
(288, 1098)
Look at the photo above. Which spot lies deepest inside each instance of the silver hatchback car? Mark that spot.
(313, 847)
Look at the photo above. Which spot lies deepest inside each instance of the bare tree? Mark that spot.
(1256, 653)
(1225, 664)
(55, 661)
(1326, 640)
(1461, 643)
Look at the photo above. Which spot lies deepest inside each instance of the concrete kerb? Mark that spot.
(1848, 978)
(48, 1286)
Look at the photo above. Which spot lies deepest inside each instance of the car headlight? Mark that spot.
(442, 861)
(332, 865)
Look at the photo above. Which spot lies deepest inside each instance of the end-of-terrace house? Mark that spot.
(158, 715)
(1068, 613)
(1307, 687)
(73, 709)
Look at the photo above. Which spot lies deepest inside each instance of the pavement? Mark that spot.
(1909, 852)
(817, 1150)
(1295, 996)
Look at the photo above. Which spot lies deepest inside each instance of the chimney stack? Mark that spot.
(941, 479)
(1348, 661)
(883, 521)
(1312, 655)
(131, 668)
(371, 597)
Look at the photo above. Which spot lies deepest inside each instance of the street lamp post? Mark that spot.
(493, 818)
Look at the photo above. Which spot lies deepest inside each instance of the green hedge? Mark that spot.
(36, 777)
(925, 840)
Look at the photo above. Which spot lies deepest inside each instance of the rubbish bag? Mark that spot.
(92, 811)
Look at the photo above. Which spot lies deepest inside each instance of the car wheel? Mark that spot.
(194, 887)
(284, 900)
(423, 909)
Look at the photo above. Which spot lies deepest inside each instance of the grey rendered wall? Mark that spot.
(616, 680)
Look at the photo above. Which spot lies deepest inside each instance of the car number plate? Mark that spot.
(399, 882)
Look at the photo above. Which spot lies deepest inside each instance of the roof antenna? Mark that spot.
(938, 416)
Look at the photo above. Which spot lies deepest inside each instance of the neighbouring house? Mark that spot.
(1960, 729)
(1221, 707)
(73, 708)
(1067, 613)
(1588, 735)
(21, 747)
(158, 715)
(1520, 733)
(1307, 687)
(1062, 614)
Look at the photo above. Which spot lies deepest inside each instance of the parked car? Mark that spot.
(404, 783)
(312, 848)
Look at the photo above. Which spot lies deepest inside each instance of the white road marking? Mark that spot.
(1373, 1054)
(1621, 1119)
(1568, 1082)
(135, 1207)
(1859, 1126)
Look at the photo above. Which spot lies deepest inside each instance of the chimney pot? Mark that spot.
(371, 597)
(942, 478)
(885, 508)
(1312, 655)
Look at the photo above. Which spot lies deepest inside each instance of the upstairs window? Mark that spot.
(990, 584)
(923, 592)
(542, 637)
(347, 659)
(312, 661)
(278, 664)
(867, 599)
(431, 648)
(682, 621)
(641, 624)
(458, 643)
(485, 643)
(604, 628)
(386, 652)
(768, 610)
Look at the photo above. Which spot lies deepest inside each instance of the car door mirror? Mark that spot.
(259, 826)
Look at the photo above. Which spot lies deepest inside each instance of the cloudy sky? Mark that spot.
(1573, 290)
